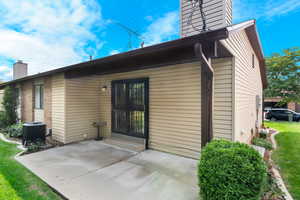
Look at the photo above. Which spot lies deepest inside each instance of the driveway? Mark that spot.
(93, 170)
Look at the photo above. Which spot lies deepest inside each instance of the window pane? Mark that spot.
(37, 96)
(41, 97)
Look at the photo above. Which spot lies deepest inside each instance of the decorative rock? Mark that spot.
(260, 150)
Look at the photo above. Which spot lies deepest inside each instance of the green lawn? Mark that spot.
(287, 156)
(16, 182)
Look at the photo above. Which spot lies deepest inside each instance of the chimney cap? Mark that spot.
(20, 61)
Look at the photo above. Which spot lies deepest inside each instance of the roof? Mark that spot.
(155, 52)
(251, 31)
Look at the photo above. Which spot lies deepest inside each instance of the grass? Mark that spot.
(287, 156)
(16, 182)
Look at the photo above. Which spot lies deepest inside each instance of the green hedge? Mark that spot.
(231, 171)
(262, 143)
(15, 130)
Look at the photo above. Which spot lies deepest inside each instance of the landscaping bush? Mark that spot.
(10, 103)
(15, 130)
(262, 143)
(2, 120)
(35, 146)
(231, 171)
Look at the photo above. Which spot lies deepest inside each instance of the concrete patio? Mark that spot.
(93, 170)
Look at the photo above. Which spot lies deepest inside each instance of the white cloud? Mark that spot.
(113, 52)
(280, 8)
(4, 69)
(267, 10)
(162, 29)
(6, 73)
(49, 34)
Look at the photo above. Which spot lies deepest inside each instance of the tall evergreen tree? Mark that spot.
(10, 104)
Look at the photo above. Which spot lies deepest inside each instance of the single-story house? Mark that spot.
(176, 96)
(273, 102)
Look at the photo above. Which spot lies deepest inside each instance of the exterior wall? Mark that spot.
(247, 84)
(48, 101)
(28, 112)
(223, 98)
(82, 108)
(174, 102)
(58, 107)
(27, 101)
(218, 15)
(174, 107)
(1, 99)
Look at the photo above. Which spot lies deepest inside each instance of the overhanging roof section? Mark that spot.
(172, 52)
(175, 51)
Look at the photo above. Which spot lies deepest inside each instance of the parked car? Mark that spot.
(282, 114)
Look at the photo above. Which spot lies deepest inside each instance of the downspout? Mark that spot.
(207, 74)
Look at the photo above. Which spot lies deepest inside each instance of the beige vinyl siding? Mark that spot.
(222, 112)
(82, 108)
(228, 12)
(174, 103)
(218, 14)
(247, 84)
(1, 99)
(58, 107)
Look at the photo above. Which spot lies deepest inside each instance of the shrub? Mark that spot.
(15, 130)
(35, 146)
(2, 120)
(262, 143)
(231, 171)
(10, 103)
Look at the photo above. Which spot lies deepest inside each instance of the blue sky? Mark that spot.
(49, 34)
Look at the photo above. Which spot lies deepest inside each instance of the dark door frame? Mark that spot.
(146, 108)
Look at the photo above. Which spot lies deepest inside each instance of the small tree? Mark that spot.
(283, 72)
(9, 116)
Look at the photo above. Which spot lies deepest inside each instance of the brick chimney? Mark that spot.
(20, 70)
(215, 14)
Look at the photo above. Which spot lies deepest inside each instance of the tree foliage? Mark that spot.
(283, 73)
(9, 116)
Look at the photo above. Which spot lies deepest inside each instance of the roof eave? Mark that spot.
(214, 35)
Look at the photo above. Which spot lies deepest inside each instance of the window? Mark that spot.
(18, 96)
(39, 96)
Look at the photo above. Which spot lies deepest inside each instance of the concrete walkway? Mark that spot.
(92, 170)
